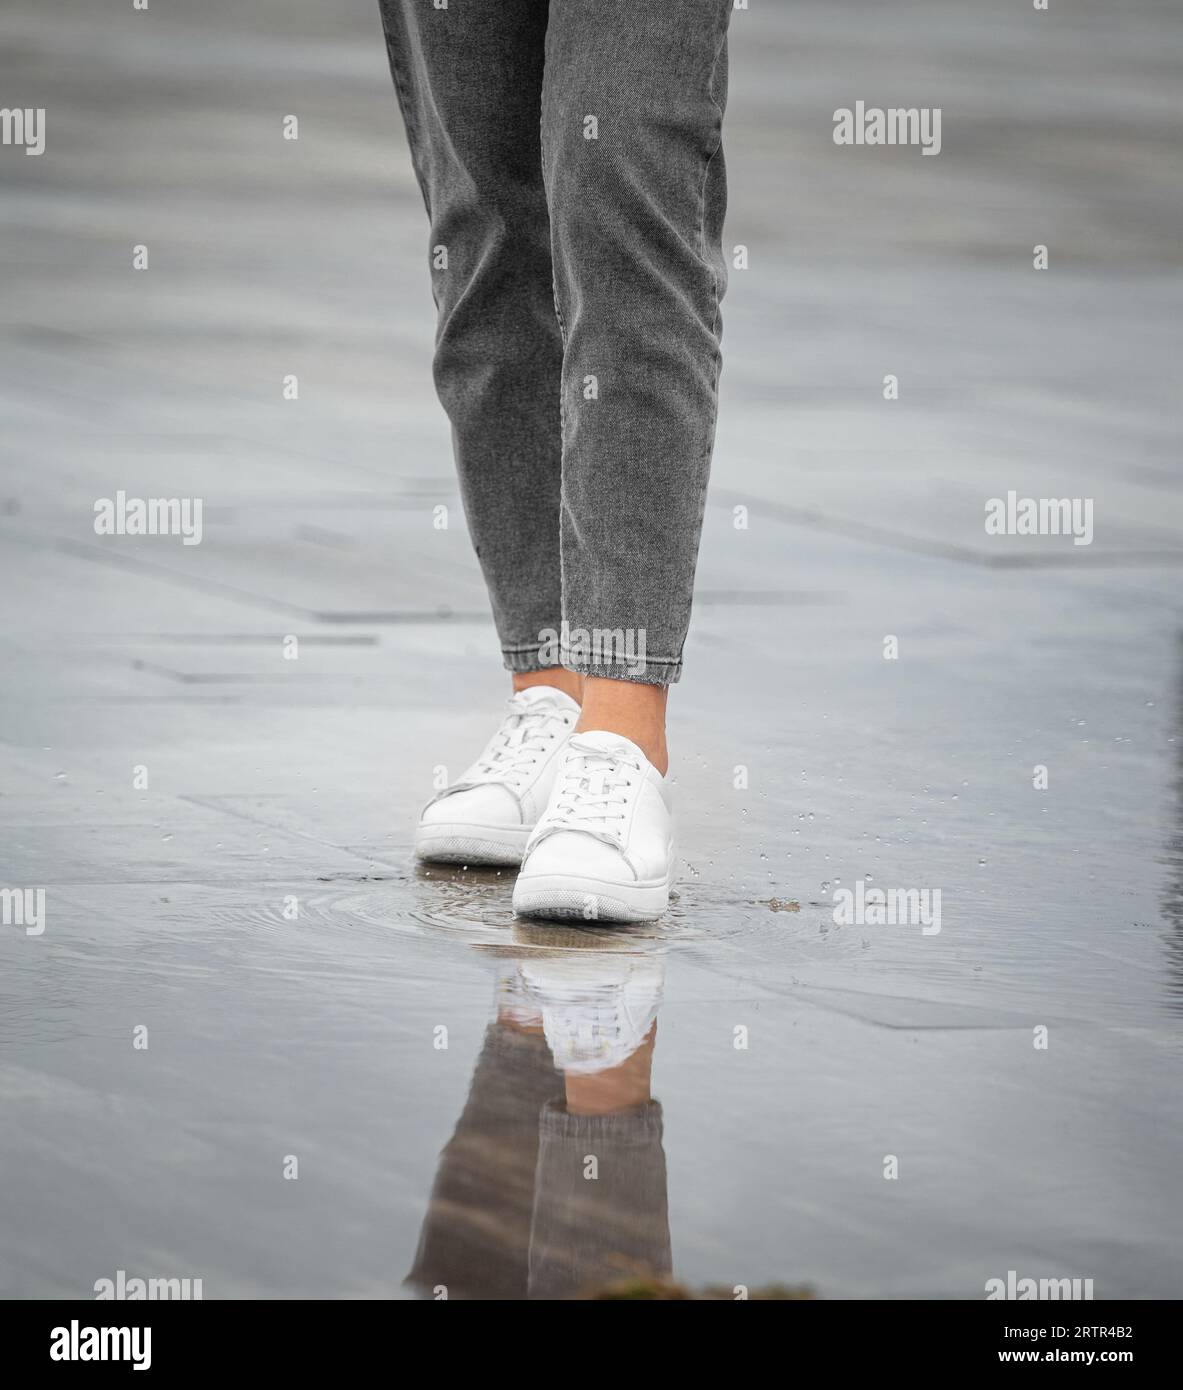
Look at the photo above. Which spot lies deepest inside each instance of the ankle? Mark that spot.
(630, 708)
(557, 677)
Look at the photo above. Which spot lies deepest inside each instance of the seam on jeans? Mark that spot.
(725, 10)
(554, 282)
(623, 661)
(660, 676)
(554, 287)
(402, 92)
(725, 7)
(525, 661)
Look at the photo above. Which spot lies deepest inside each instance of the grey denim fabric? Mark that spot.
(586, 1235)
(578, 283)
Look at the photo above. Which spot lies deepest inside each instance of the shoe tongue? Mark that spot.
(534, 695)
(601, 741)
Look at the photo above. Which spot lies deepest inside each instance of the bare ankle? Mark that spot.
(630, 708)
(557, 677)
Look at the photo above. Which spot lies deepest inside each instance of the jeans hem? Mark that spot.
(652, 671)
(642, 1123)
(521, 659)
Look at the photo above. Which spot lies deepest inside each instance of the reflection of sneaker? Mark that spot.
(486, 817)
(512, 999)
(603, 848)
(597, 1009)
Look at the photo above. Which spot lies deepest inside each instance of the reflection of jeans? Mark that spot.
(512, 1214)
(569, 155)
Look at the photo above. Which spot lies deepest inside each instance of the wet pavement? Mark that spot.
(222, 829)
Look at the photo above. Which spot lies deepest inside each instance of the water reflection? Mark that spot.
(1172, 896)
(554, 1180)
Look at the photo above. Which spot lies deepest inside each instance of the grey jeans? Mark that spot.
(569, 154)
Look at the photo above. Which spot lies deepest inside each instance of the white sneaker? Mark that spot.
(486, 817)
(597, 1008)
(603, 848)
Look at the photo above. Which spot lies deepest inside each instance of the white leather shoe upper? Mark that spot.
(510, 782)
(608, 816)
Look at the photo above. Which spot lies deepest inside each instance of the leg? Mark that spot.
(476, 1233)
(632, 108)
(469, 82)
(556, 677)
(587, 1236)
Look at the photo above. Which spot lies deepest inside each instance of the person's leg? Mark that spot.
(475, 1237)
(556, 677)
(598, 1011)
(586, 1238)
(631, 708)
(632, 109)
(469, 82)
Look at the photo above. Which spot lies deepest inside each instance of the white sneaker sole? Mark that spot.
(464, 843)
(566, 896)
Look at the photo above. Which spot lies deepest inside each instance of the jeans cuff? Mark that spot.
(643, 1123)
(650, 671)
(525, 658)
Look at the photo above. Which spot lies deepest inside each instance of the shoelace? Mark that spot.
(593, 794)
(527, 731)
